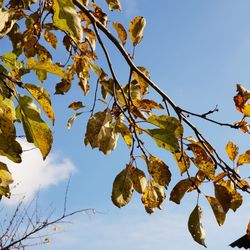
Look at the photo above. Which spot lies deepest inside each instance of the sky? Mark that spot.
(196, 51)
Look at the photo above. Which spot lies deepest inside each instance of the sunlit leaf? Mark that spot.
(236, 201)
(122, 33)
(244, 158)
(76, 105)
(136, 28)
(138, 178)
(66, 18)
(182, 161)
(223, 195)
(241, 99)
(47, 66)
(50, 38)
(143, 84)
(205, 165)
(72, 119)
(114, 4)
(122, 189)
(6, 21)
(195, 227)
(147, 105)
(36, 130)
(84, 85)
(5, 175)
(232, 150)
(161, 195)
(42, 96)
(159, 171)
(5, 191)
(125, 132)
(218, 210)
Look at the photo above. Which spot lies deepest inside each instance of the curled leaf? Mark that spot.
(76, 105)
(72, 119)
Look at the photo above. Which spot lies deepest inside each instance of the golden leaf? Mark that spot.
(122, 34)
(76, 105)
(138, 178)
(136, 28)
(182, 161)
(114, 4)
(244, 158)
(50, 38)
(72, 119)
(232, 150)
(205, 165)
(5, 175)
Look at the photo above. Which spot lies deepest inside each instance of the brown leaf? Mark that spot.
(138, 178)
(76, 105)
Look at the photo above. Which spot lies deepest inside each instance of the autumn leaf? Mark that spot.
(62, 87)
(195, 227)
(232, 150)
(244, 158)
(138, 178)
(50, 38)
(182, 161)
(159, 171)
(5, 175)
(161, 195)
(114, 4)
(76, 105)
(122, 188)
(36, 130)
(223, 195)
(72, 119)
(7, 21)
(121, 32)
(125, 132)
(136, 28)
(42, 96)
(66, 18)
(218, 210)
(205, 165)
(143, 84)
(236, 201)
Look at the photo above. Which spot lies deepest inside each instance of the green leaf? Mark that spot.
(159, 171)
(164, 139)
(66, 18)
(195, 227)
(72, 119)
(46, 65)
(114, 4)
(121, 32)
(36, 130)
(5, 175)
(218, 210)
(42, 96)
(122, 188)
(136, 28)
(9, 147)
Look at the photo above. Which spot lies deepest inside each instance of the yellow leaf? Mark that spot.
(5, 175)
(122, 189)
(36, 130)
(232, 150)
(244, 158)
(236, 201)
(223, 195)
(136, 28)
(72, 119)
(125, 132)
(182, 161)
(42, 96)
(66, 18)
(114, 4)
(161, 195)
(84, 85)
(218, 210)
(195, 227)
(140, 80)
(50, 38)
(122, 34)
(76, 105)
(205, 165)
(47, 66)
(138, 178)
(159, 171)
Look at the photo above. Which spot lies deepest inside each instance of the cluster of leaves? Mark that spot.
(32, 27)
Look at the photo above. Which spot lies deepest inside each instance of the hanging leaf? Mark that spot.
(72, 119)
(114, 5)
(241, 100)
(101, 133)
(121, 32)
(122, 189)
(136, 28)
(50, 38)
(244, 158)
(223, 195)
(42, 96)
(205, 165)
(36, 130)
(143, 84)
(180, 189)
(150, 198)
(236, 201)
(218, 210)
(9, 147)
(5, 191)
(7, 21)
(195, 227)
(125, 132)
(84, 85)
(161, 195)
(138, 178)
(5, 175)
(76, 105)
(47, 66)
(66, 18)
(182, 161)
(159, 171)
(232, 150)
(62, 87)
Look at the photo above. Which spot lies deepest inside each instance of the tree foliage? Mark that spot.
(34, 29)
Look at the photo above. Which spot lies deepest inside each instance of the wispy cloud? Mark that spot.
(34, 174)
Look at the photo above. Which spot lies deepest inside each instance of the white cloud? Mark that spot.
(34, 174)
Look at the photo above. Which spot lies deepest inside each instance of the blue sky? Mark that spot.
(196, 51)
